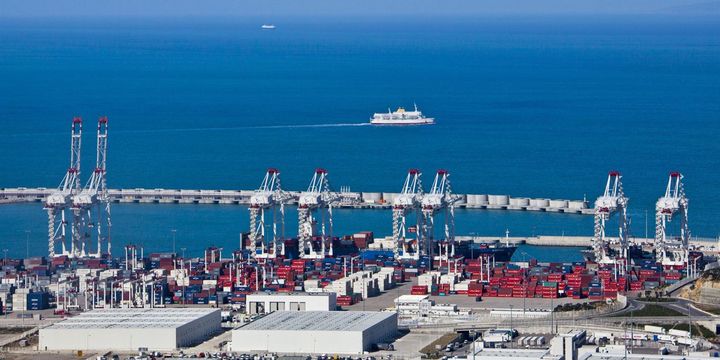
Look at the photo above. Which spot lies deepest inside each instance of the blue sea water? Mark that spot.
(537, 107)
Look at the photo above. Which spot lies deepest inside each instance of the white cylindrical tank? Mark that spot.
(371, 196)
(463, 199)
(519, 201)
(540, 202)
(576, 205)
(498, 199)
(388, 197)
(471, 199)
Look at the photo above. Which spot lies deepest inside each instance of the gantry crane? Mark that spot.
(439, 200)
(611, 250)
(93, 198)
(61, 199)
(673, 251)
(269, 196)
(317, 198)
(408, 201)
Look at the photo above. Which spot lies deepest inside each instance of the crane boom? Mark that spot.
(269, 196)
(317, 198)
(93, 198)
(408, 201)
(610, 250)
(440, 199)
(673, 251)
(57, 202)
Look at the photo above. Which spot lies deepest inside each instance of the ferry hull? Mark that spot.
(401, 123)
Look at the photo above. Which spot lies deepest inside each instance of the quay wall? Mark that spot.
(703, 244)
(360, 200)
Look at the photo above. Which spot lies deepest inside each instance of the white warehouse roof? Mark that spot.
(130, 329)
(133, 318)
(315, 332)
(319, 320)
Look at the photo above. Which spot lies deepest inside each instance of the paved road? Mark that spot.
(680, 305)
(685, 306)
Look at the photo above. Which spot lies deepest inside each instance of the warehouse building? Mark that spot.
(267, 303)
(131, 329)
(316, 332)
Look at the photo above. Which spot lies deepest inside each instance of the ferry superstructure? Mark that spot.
(401, 117)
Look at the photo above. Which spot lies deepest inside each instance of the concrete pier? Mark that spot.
(541, 240)
(357, 200)
(708, 245)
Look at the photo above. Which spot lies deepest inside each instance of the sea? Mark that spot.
(525, 106)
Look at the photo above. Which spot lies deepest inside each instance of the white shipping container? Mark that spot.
(680, 333)
(654, 329)
(686, 341)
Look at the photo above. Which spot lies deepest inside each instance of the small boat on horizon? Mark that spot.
(268, 27)
(401, 117)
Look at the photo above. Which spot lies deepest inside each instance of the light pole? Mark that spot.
(511, 327)
(174, 232)
(472, 246)
(5, 251)
(186, 274)
(474, 334)
(27, 244)
(524, 254)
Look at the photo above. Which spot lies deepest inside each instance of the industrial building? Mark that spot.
(263, 303)
(482, 353)
(567, 344)
(130, 329)
(329, 332)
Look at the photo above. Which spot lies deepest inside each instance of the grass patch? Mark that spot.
(431, 350)
(13, 330)
(579, 306)
(657, 310)
(652, 310)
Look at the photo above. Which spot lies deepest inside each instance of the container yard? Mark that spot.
(281, 286)
(162, 279)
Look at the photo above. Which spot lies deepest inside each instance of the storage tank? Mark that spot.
(389, 197)
(576, 205)
(560, 204)
(498, 199)
(482, 199)
(463, 199)
(371, 197)
(519, 201)
(471, 199)
(541, 203)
